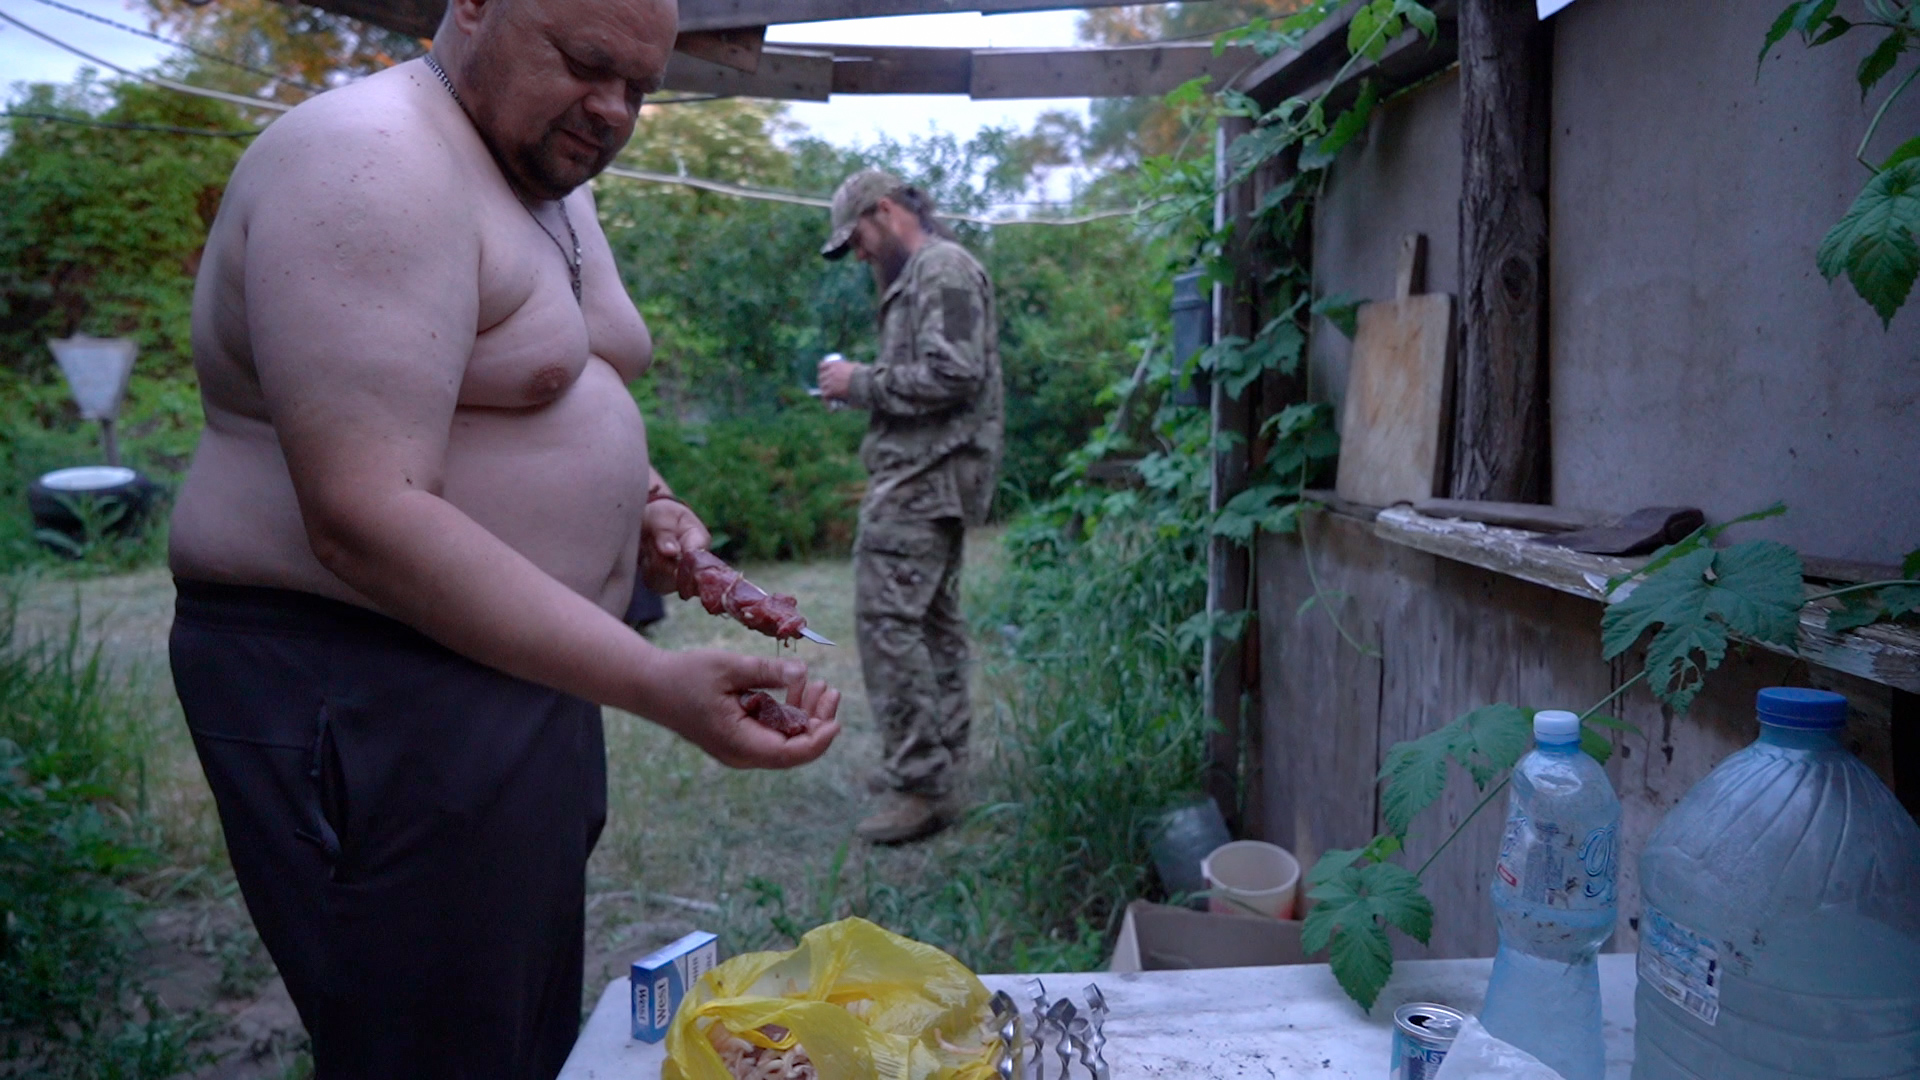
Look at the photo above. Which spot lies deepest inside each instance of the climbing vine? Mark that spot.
(1876, 244)
(1689, 602)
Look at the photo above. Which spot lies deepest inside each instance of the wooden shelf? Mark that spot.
(1885, 653)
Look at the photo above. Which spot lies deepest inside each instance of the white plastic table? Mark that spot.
(1219, 1024)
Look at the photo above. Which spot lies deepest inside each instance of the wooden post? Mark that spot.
(1500, 443)
(1228, 565)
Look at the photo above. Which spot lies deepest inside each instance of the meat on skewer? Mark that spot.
(722, 590)
(774, 713)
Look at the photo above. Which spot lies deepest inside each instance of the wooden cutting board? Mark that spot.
(1394, 424)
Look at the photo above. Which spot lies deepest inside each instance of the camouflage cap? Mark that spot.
(858, 194)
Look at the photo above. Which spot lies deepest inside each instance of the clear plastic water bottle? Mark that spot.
(1781, 937)
(1553, 893)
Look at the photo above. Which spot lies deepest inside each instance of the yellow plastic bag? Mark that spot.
(922, 1015)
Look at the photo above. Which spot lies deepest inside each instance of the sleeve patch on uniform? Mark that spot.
(958, 307)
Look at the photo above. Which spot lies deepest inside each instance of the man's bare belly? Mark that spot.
(563, 484)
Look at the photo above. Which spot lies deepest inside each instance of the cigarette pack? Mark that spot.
(661, 978)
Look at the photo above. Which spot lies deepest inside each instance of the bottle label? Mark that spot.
(1546, 865)
(1682, 965)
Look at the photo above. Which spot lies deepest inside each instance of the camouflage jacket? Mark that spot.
(932, 448)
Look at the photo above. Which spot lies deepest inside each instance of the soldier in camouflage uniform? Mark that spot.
(931, 452)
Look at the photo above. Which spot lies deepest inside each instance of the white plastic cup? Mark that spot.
(1251, 877)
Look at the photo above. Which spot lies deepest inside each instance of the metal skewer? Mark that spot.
(813, 637)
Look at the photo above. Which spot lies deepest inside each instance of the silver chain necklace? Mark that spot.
(573, 263)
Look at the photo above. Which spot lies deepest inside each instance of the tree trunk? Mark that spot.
(1501, 447)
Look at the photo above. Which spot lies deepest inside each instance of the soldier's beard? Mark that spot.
(889, 261)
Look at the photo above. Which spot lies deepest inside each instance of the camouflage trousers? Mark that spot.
(913, 648)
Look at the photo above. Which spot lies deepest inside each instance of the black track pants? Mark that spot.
(410, 830)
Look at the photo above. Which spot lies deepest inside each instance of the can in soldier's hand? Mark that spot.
(1422, 1032)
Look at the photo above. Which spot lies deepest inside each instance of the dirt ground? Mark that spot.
(688, 844)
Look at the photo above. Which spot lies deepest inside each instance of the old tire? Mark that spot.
(109, 499)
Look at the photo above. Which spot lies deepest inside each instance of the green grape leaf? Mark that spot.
(1349, 904)
(1782, 26)
(1874, 242)
(1758, 590)
(1372, 27)
(1419, 16)
(1395, 895)
(1855, 611)
(1416, 775)
(1362, 962)
(1269, 507)
(1328, 868)
(1697, 600)
(1835, 26)
(1906, 151)
(1346, 127)
(1486, 742)
(1880, 61)
(1596, 744)
(1900, 600)
(1342, 310)
(1492, 739)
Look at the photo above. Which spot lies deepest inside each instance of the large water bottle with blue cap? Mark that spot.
(1553, 894)
(1781, 935)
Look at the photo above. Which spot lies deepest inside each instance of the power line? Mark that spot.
(166, 129)
(156, 80)
(721, 187)
(195, 50)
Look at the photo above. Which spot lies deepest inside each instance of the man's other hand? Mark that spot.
(701, 701)
(836, 379)
(666, 529)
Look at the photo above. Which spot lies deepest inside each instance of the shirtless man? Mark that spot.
(410, 527)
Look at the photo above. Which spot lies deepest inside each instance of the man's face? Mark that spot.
(876, 242)
(555, 85)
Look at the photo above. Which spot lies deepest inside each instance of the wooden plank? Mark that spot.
(721, 14)
(1500, 435)
(738, 49)
(783, 73)
(1888, 654)
(1127, 71)
(1322, 56)
(1320, 697)
(414, 18)
(1532, 516)
(868, 69)
(1393, 424)
(1228, 566)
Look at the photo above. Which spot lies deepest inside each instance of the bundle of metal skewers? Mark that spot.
(1056, 1029)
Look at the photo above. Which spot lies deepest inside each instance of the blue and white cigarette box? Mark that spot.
(661, 978)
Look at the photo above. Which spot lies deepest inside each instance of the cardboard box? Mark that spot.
(661, 979)
(1156, 937)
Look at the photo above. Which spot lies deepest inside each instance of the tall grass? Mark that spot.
(1091, 642)
(70, 781)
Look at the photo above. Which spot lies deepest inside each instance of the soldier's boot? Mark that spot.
(902, 816)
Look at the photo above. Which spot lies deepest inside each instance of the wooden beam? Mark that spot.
(1500, 425)
(785, 73)
(1229, 569)
(867, 69)
(737, 49)
(1126, 71)
(415, 18)
(722, 14)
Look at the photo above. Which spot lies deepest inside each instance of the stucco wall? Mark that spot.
(1402, 176)
(1698, 357)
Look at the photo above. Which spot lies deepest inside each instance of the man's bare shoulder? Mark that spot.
(370, 139)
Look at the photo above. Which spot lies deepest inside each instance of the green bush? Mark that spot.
(781, 484)
(70, 753)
